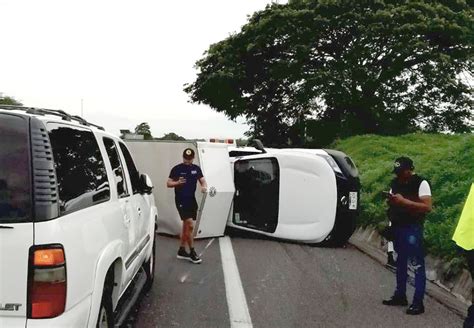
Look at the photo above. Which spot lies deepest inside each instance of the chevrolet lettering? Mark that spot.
(10, 307)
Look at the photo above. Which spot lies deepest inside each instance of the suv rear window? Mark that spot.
(15, 182)
(80, 169)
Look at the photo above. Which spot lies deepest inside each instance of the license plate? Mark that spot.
(352, 200)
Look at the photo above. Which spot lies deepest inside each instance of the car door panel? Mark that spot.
(123, 189)
(138, 211)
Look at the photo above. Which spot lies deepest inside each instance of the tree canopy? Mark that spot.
(144, 129)
(335, 68)
(5, 100)
(171, 136)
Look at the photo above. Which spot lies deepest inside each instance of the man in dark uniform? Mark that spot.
(409, 202)
(183, 178)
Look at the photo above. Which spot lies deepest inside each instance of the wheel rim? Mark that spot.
(103, 320)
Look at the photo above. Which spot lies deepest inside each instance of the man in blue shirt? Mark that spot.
(183, 178)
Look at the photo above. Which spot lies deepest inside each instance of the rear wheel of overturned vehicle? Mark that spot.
(106, 313)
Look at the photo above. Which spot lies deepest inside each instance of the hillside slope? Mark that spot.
(447, 161)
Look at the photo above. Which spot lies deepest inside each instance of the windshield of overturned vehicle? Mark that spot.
(15, 184)
(256, 204)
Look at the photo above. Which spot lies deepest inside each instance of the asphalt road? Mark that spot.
(286, 285)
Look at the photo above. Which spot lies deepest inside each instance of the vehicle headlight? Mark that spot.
(332, 163)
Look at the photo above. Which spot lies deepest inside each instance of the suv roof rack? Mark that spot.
(57, 112)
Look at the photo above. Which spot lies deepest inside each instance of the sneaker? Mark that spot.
(415, 309)
(396, 301)
(182, 254)
(193, 257)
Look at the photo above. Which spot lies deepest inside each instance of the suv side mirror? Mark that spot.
(146, 184)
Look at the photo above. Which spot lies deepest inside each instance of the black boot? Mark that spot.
(415, 309)
(396, 301)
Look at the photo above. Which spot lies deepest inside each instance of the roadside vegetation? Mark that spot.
(446, 161)
(314, 71)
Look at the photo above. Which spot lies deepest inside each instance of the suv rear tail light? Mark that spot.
(47, 282)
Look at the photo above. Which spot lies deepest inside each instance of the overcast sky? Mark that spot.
(128, 60)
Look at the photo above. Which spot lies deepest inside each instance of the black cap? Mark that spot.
(188, 154)
(403, 163)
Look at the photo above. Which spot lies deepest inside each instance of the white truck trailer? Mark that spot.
(303, 195)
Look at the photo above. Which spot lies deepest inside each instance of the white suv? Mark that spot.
(77, 222)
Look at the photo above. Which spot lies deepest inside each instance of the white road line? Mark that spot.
(238, 310)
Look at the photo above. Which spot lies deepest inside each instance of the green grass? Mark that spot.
(446, 161)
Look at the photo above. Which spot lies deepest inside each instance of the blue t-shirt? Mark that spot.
(192, 173)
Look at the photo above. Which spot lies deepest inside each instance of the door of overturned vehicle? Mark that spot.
(256, 200)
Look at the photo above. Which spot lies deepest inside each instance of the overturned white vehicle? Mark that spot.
(304, 195)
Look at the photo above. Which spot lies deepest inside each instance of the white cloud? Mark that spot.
(128, 60)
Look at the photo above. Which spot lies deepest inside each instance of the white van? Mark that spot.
(319, 194)
(309, 196)
(77, 222)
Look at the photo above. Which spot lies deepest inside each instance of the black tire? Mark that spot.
(149, 267)
(106, 317)
(343, 229)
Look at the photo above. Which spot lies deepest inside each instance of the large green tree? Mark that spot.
(337, 68)
(144, 129)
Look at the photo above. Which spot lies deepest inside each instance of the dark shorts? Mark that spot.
(187, 209)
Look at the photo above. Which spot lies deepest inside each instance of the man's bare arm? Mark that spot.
(203, 183)
(424, 206)
(173, 184)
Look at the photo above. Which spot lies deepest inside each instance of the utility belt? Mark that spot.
(400, 217)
